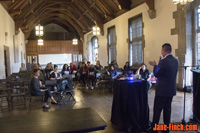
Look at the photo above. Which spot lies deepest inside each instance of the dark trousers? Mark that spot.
(47, 94)
(92, 79)
(162, 103)
(83, 77)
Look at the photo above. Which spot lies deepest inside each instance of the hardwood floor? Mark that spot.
(102, 102)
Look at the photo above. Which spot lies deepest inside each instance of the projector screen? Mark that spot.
(55, 58)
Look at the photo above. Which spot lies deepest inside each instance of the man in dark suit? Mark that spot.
(166, 73)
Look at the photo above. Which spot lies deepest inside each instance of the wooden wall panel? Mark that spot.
(53, 47)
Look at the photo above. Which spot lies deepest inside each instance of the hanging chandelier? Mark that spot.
(75, 41)
(182, 2)
(96, 30)
(39, 30)
(40, 42)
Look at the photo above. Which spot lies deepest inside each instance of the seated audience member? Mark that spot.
(66, 69)
(22, 68)
(145, 74)
(34, 66)
(54, 75)
(47, 71)
(98, 66)
(83, 72)
(73, 68)
(88, 64)
(79, 66)
(114, 62)
(112, 74)
(92, 75)
(51, 65)
(37, 89)
(39, 66)
(127, 67)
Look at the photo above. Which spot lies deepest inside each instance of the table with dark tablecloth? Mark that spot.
(130, 110)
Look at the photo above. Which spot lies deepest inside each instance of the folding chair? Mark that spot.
(50, 83)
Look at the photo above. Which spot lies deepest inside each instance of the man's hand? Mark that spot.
(152, 63)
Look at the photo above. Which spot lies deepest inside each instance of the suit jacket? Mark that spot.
(166, 73)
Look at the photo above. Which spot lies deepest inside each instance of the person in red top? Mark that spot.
(88, 64)
(73, 68)
(83, 72)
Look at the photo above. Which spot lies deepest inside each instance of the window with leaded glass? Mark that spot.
(135, 41)
(112, 54)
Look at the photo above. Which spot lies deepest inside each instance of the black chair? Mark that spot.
(52, 84)
(18, 91)
(4, 97)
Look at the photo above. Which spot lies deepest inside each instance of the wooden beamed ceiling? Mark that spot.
(78, 15)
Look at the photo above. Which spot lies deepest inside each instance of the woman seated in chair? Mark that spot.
(37, 89)
(66, 75)
(66, 69)
(98, 66)
(145, 74)
(22, 68)
(112, 74)
(54, 75)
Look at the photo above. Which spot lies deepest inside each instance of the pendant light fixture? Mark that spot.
(75, 41)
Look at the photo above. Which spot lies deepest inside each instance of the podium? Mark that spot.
(196, 95)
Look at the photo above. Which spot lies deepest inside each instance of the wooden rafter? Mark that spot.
(16, 4)
(151, 11)
(125, 4)
(96, 17)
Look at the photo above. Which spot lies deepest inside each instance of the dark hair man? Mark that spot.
(166, 72)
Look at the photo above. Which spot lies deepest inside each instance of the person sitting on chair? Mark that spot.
(66, 69)
(37, 89)
(127, 67)
(112, 73)
(145, 74)
(54, 75)
(22, 68)
(98, 66)
(66, 75)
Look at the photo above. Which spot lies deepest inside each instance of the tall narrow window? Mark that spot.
(94, 49)
(135, 41)
(198, 35)
(112, 55)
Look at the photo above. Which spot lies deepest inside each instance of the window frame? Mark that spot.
(93, 47)
(129, 40)
(112, 44)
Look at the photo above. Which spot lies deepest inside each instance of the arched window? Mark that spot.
(93, 50)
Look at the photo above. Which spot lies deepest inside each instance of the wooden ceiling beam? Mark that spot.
(104, 7)
(71, 16)
(92, 12)
(125, 4)
(151, 11)
(14, 12)
(151, 4)
(62, 16)
(16, 4)
(27, 10)
(60, 22)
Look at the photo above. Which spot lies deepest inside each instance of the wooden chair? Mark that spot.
(18, 91)
(31, 98)
(4, 97)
